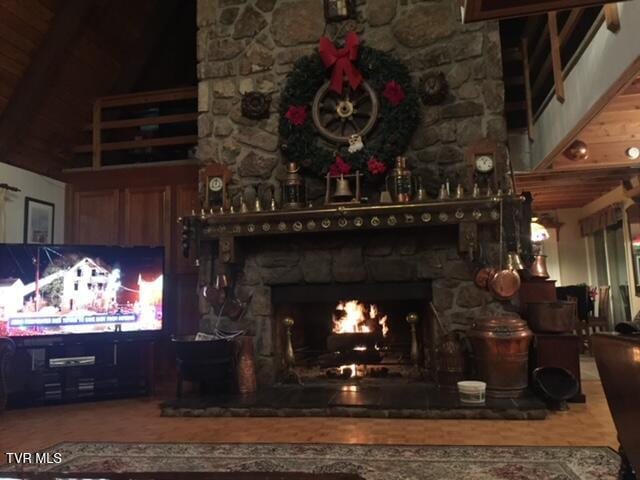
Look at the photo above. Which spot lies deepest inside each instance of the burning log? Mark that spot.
(343, 342)
(349, 357)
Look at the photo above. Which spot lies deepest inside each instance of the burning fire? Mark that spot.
(354, 317)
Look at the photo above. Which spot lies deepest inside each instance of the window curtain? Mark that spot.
(601, 219)
(3, 217)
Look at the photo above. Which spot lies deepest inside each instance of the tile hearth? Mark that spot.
(367, 399)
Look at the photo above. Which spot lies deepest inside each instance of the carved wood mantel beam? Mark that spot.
(218, 233)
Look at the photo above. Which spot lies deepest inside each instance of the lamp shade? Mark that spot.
(538, 232)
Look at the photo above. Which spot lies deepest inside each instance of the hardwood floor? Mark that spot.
(138, 420)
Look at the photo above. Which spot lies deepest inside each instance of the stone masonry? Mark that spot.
(250, 45)
(428, 255)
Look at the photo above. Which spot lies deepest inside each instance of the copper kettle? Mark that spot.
(538, 268)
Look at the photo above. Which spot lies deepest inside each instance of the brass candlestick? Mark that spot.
(289, 358)
(412, 320)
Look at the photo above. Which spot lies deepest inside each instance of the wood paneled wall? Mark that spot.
(140, 206)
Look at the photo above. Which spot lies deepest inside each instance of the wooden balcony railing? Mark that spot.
(540, 51)
(145, 120)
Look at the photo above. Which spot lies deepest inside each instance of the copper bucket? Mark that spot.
(245, 365)
(501, 350)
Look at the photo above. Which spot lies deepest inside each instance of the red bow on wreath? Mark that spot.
(341, 61)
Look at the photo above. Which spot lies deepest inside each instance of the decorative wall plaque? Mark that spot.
(255, 105)
(433, 88)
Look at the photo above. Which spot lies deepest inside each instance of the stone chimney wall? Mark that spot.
(251, 45)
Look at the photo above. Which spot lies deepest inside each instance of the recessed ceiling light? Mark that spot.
(633, 153)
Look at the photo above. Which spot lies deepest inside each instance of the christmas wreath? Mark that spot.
(398, 110)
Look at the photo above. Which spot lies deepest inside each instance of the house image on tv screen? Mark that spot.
(11, 292)
(89, 286)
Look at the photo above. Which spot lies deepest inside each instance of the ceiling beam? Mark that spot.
(476, 10)
(612, 16)
(598, 171)
(32, 89)
(586, 187)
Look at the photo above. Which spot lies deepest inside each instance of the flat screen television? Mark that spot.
(58, 290)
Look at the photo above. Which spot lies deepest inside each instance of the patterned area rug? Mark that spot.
(371, 462)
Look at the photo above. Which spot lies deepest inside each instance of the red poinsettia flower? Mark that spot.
(375, 166)
(296, 115)
(393, 92)
(339, 167)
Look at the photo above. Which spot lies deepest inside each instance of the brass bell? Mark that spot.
(343, 190)
(514, 262)
(538, 268)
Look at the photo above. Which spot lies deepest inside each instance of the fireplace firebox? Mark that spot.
(363, 332)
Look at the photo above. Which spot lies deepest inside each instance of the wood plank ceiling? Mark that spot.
(574, 183)
(110, 43)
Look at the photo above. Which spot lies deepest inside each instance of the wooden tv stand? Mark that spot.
(63, 369)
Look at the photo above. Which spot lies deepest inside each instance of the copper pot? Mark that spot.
(538, 268)
(501, 349)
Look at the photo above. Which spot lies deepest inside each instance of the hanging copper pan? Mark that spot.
(505, 284)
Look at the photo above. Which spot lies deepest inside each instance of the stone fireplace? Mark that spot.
(305, 279)
(246, 45)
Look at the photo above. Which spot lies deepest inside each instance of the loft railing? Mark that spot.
(140, 127)
(547, 48)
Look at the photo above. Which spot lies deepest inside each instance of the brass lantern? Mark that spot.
(338, 10)
(293, 188)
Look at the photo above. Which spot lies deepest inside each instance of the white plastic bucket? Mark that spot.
(472, 392)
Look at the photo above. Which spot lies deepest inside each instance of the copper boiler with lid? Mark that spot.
(501, 352)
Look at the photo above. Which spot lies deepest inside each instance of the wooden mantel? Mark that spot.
(467, 214)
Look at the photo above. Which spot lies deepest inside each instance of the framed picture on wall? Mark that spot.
(39, 219)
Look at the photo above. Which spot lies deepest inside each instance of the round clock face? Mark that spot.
(215, 184)
(484, 164)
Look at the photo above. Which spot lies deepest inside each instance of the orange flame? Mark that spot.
(354, 318)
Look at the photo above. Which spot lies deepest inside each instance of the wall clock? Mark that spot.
(213, 181)
(485, 164)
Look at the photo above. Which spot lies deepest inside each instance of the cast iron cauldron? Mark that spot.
(557, 385)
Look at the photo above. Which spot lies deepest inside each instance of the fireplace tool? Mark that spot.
(450, 355)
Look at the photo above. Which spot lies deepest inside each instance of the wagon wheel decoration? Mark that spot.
(339, 116)
(316, 122)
